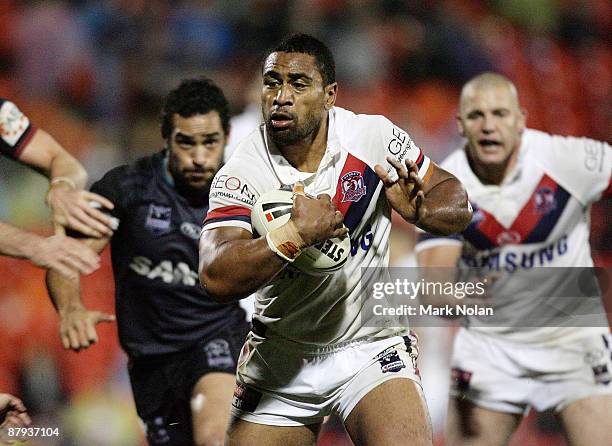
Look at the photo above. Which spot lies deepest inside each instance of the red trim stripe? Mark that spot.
(419, 160)
(25, 140)
(608, 192)
(524, 223)
(490, 227)
(528, 218)
(228, 211)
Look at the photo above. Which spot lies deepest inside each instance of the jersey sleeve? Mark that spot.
(115, 186)
(426, 240)
(15, 130)
(231, 200)
(398, 144)
(582, 165)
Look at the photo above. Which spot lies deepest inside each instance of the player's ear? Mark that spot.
(227, 134)
(522, 119)
(460, 127)
(331, 91)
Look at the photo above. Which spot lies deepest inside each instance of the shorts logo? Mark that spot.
(544, 200)
(390, 361)
(158, 218)
(602, 374)
(218, 354)
(14, 123)
(245, 398)
(460, 379)
(352, 186)
(413, 350)
(190, 230)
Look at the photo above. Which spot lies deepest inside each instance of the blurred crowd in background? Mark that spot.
(94, 74)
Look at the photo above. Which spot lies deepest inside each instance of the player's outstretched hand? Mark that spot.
(12, 411)
(63, 254)
(404, 190)
(316, 219)
(72, 209)
(78, 327)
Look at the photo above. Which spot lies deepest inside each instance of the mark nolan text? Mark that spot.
(431, 310)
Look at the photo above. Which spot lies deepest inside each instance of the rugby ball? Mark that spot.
(273, 209)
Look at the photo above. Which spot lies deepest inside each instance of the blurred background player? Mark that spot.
(69, 204)
(311, 351)
(182, 346)
(532, 194)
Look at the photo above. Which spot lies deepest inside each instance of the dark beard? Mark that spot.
(289, 137)
(196, 196)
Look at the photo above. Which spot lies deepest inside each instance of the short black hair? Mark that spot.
(307, 44)
(194, 97)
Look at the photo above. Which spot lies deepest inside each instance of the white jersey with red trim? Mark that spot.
(538, 217)
(15, 129)
(319, 310)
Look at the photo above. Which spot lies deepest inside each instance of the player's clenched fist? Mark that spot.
(78, 327)
(316, 219)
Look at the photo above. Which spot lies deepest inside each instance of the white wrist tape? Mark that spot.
(66, 180)
(286, 241)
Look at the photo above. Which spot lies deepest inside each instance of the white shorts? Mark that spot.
(509, 377)
(279, 386)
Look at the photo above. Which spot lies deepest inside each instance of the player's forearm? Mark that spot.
(47, 156)
(65, 293)
(239, 268)
(445, 209)
(16, 242)
(65, 166)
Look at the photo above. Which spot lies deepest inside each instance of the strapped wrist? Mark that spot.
(66, 180)
(286, 241)
(59, 180)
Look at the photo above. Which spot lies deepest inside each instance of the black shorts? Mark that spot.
(162, 385)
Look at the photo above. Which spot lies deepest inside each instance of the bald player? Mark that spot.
(531, 193)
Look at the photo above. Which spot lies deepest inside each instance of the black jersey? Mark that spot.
(161, 307)
(15, 129)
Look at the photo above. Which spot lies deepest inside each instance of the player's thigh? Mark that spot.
(245, 433)
(393, 412)
(471, 425)
(588, 421)
(211, 400)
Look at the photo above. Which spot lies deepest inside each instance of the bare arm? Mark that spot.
(68, 202)
(62, 254)
(445, 209)
(77, 323)
(233, 265)
(438, 205)
(45, 155)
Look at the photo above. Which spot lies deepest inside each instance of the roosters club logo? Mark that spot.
(544, 200)
(352, 186)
